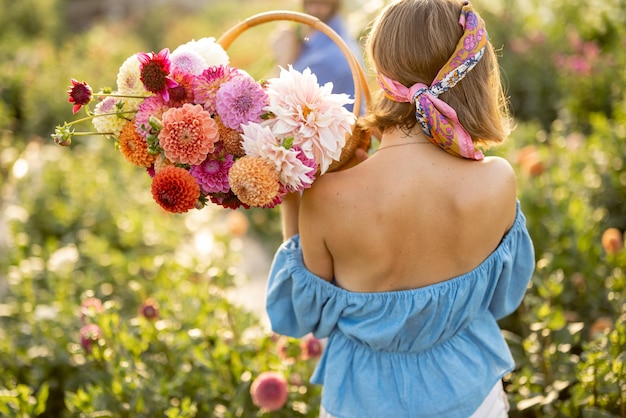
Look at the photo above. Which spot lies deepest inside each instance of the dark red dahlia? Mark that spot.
(80, 94)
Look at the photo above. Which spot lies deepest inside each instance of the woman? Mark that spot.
(407, 260)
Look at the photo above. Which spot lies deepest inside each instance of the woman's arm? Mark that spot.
(289, 209)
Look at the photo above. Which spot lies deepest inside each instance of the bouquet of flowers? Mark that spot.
(206, 131)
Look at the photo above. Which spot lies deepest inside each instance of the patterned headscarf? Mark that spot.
(438, 120)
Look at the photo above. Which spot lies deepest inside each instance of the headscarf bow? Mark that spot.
(438, 120)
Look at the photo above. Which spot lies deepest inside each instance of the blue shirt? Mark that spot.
(326, 60)
(434, 351)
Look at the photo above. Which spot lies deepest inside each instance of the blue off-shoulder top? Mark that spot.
(434, 351)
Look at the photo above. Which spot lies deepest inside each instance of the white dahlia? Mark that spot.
(311, 114)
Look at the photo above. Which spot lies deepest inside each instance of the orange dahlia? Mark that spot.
(254, 180)
(231, 139)
(134, 147)
(188, 135)
(175, 189)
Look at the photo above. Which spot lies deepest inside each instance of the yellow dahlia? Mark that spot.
(133, 147)
(254, 180)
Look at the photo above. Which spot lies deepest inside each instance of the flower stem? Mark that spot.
(126, 96)
(91, 116)
(91, 133)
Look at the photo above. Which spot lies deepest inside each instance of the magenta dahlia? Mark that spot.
(212, 174)
(155, 71)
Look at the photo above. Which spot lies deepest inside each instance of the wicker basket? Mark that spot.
(359, 138)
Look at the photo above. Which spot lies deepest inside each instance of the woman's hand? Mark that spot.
(285, 45)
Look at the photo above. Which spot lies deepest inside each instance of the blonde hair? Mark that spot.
(410, 42)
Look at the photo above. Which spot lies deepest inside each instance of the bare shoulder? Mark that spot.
(331, 189)
(500, 186)
(499, 166)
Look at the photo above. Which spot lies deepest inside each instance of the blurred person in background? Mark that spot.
(304, 47)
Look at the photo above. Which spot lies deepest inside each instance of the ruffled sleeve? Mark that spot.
(299, 302)
(517, 268)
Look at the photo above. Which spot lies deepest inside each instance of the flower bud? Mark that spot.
(62, 135)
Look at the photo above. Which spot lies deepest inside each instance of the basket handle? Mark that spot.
(358, 76)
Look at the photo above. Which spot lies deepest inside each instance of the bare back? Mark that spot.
(407, 217)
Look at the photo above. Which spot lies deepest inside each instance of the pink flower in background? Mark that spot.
(269, 391)
(239, 101)
(149, 309)
(585, 58)
(90, 307)
(311, 347)
(188, 135)
(89, 334)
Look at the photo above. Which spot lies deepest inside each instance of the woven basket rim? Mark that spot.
(361, 90)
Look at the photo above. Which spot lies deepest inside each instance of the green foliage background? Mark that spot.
(81, 223)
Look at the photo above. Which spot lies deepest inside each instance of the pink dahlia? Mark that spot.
(212, 174)
(152, 106)
(80, 94)
(155, 71)
(206, 85)
(188, 135)
(240, 100)
(269, 391)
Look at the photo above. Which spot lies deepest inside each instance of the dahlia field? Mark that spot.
(112, 307)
